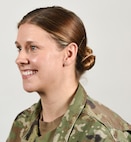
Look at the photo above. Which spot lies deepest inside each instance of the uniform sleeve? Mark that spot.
(14, 135)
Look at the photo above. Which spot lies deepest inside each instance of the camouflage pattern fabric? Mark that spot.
(85, 121)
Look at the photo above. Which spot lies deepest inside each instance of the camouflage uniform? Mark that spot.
(85, 121)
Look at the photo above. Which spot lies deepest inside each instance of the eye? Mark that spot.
(33, 47)
(18, 48)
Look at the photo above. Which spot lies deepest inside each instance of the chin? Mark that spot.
(29, 87)
(29, 90)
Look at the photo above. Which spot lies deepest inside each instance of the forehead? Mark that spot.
(32, 32)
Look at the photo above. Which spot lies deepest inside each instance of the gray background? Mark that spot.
(108, 25)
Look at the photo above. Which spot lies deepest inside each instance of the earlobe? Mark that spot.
(70, 54)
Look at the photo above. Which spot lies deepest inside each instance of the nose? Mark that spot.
(22, 58)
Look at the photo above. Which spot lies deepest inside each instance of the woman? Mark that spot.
(53, 54)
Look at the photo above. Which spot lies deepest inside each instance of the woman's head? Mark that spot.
(65, 27)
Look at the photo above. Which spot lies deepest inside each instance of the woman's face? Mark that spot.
(39, 60)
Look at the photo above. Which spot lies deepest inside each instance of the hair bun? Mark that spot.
(88, 60)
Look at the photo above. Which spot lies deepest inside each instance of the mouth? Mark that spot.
(28, 73)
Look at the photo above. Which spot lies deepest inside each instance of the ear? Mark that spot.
(70, 54)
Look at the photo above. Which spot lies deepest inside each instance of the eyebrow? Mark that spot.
(27, 42)
(16, 42)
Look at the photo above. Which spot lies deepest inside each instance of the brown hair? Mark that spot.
(65, 27)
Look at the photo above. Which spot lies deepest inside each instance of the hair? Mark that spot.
(65, 27)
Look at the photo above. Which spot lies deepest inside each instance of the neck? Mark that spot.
(56, 102)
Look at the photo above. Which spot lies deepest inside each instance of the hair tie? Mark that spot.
(86, 57)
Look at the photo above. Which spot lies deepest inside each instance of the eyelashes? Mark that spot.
(18, 48)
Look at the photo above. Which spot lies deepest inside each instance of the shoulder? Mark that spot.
(105, 115)
(22, 122)
(100, 119)
(101, 113)
(29, 113)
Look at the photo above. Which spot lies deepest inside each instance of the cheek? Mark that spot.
(41, 63)
(47, 61)
(37, 59)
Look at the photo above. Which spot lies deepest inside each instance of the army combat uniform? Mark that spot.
(85, 121)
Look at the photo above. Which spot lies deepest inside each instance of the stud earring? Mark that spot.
(64, 64)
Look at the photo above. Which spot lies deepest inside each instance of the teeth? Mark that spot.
(28, 72)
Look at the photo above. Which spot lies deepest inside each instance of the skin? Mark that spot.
(46, 69)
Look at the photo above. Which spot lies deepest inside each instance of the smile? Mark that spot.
(28, 73)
